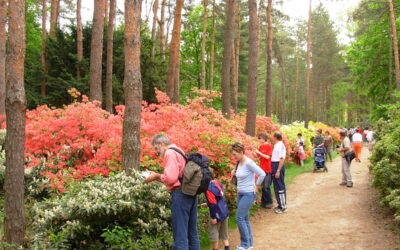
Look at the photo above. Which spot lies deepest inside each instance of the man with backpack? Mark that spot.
(183, 206)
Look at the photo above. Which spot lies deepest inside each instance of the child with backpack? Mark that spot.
(219, 214)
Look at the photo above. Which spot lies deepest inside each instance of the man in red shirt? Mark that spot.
(264, 152)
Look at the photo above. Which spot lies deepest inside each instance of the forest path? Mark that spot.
(324, 215)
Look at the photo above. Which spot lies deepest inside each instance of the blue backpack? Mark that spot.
(216, 201)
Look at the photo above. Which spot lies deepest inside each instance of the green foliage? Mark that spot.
(108, 208)
(385, 160)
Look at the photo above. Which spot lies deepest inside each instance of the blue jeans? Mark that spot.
(184, 221)
(244, 203)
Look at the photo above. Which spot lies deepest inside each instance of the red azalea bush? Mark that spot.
(82, 140)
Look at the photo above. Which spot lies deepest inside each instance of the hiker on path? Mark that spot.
(264, 152)
(344, 149)
(370, 140)
(183, 207)
(318, 140)
(357, 144)
(328, 144)
(278, 172)
(247, 189)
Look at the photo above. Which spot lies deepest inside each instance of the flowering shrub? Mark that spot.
(90, 209)
(334, 132)
(385, 160)
(293, 129)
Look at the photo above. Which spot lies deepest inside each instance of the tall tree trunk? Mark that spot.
(163, 40)
(110, 41)
(391, 70)
(132, 87)
(235, 60)
(53, 18)
(234, 79)
(203, 47)
(251, 114)
(174, 51)
(395, 44)
(3, 37)
(313, 92)
(307, 90)
(268, 84)
(177, 82)
(350, 117)
(296, 89)
(283, 92)
(226, 60)
(79, 38)
(154, 28)
(43, 54)
(96, 51)
(106, 15)
(212, 56)
(14, 220)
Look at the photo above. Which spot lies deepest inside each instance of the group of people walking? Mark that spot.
(249, 178)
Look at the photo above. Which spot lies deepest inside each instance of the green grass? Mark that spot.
(292, 171)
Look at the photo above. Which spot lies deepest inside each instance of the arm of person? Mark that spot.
(280, 166)
(170, 174)
(263, 155)
(212, 206)
(259, 172)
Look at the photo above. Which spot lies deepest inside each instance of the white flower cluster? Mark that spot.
(91, 206)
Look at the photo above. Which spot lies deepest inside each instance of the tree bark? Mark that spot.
(174, 51)
(96, 51)
(3, 38)
(14, 220)
(53, 18)
(203, 46)
(163, 40)
(79, 38)
(212, 56)
(154, 29)
(177, 83)
(296, 88)
(132, 87)
(307, 90)
(110, 47)
(43, 54)
(268, 84)
(391, 70)
(234, 79)
(106, 11)
(251, 113)
(226, 60)
(395, 44)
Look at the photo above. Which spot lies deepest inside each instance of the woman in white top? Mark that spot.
(357, 140)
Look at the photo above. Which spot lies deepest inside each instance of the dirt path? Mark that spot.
(324, 215)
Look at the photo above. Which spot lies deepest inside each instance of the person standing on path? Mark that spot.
(247, 190)
(328, 144)
(264, 152)
(183, 207)
(318, 140)
(278, 172)
(357, 144)
(370, 140)
(344, 149)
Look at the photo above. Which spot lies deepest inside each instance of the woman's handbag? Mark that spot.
(234, 178)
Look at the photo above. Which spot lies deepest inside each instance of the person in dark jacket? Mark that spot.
(219, 214)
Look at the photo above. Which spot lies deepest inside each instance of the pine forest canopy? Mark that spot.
(336, 87)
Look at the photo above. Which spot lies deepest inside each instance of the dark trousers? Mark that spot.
(184, 221)
(279, 185)
(266, 198)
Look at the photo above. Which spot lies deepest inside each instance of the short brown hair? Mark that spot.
(343, 133)
(278, 136)
(319, 131)
(327, 132)
(238, 147)
(263, 136)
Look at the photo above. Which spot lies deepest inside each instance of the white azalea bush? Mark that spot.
(117, 212)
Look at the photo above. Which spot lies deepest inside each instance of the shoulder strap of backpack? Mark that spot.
(180, 152)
